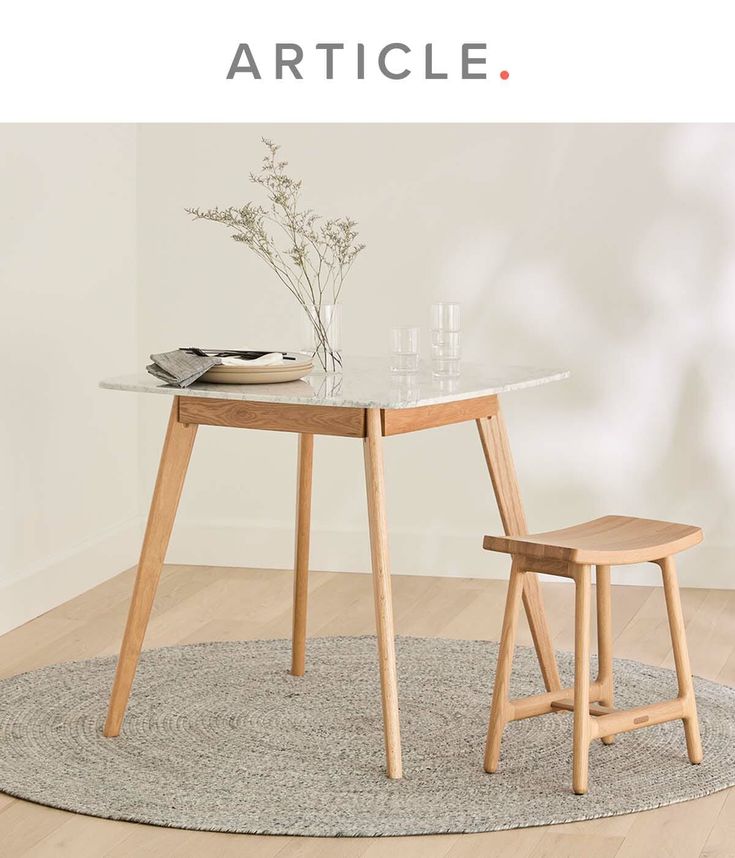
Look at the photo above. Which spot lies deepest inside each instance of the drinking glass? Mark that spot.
(446, 347)
(404, 355)
(445, 316)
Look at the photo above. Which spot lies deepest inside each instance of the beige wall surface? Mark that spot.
(607, 250)
(68, 455)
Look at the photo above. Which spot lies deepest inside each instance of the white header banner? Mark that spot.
(321, 60)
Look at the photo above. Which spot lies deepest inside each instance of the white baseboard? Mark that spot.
(61, 577)
(270, 545)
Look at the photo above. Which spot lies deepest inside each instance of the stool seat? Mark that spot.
(612, 540)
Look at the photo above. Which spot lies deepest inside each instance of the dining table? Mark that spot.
(365, 401)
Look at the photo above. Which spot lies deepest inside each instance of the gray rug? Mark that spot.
(219, 737)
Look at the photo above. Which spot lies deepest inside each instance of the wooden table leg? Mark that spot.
(500, 701)
(301, 554)
(382, 592)
(171, 473)
(494, 438)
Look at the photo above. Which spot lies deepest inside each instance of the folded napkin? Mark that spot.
(181, 368)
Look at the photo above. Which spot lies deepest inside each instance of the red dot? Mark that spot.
(504, 75)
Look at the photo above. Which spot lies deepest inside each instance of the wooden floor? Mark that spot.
(198, 603)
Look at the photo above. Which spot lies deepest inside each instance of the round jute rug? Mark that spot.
(219, 737)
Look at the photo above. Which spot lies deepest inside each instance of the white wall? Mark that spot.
(603, 249)
(68, 453)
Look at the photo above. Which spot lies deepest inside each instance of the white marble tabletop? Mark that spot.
(364, 383)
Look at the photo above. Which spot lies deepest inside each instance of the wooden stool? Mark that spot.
(604, 542)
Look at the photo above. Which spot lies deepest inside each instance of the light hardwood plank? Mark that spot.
(440, 602)
(555, 844)
(26, 647)
(710, 632)
(147, 841)
(721, 840)
(307, 847)
(518, 843)
(646, 637)
(23, 825)
(727, 673)
(81, 837)
(479, 616)
(200, 603)
(679, 830)
(411, 847)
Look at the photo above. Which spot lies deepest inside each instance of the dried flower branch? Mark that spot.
(312, 256)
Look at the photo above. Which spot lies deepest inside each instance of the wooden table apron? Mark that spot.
(371, 425)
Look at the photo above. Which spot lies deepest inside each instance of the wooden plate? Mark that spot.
(286, 371)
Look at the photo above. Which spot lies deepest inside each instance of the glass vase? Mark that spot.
(325, 335)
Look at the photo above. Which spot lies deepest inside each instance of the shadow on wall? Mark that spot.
(604, 249)
(627, 275)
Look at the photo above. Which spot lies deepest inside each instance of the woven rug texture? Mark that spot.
(220, 737)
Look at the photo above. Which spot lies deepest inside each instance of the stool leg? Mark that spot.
(582, 718)
(604, 640)
(499, 707)
(681, 659)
